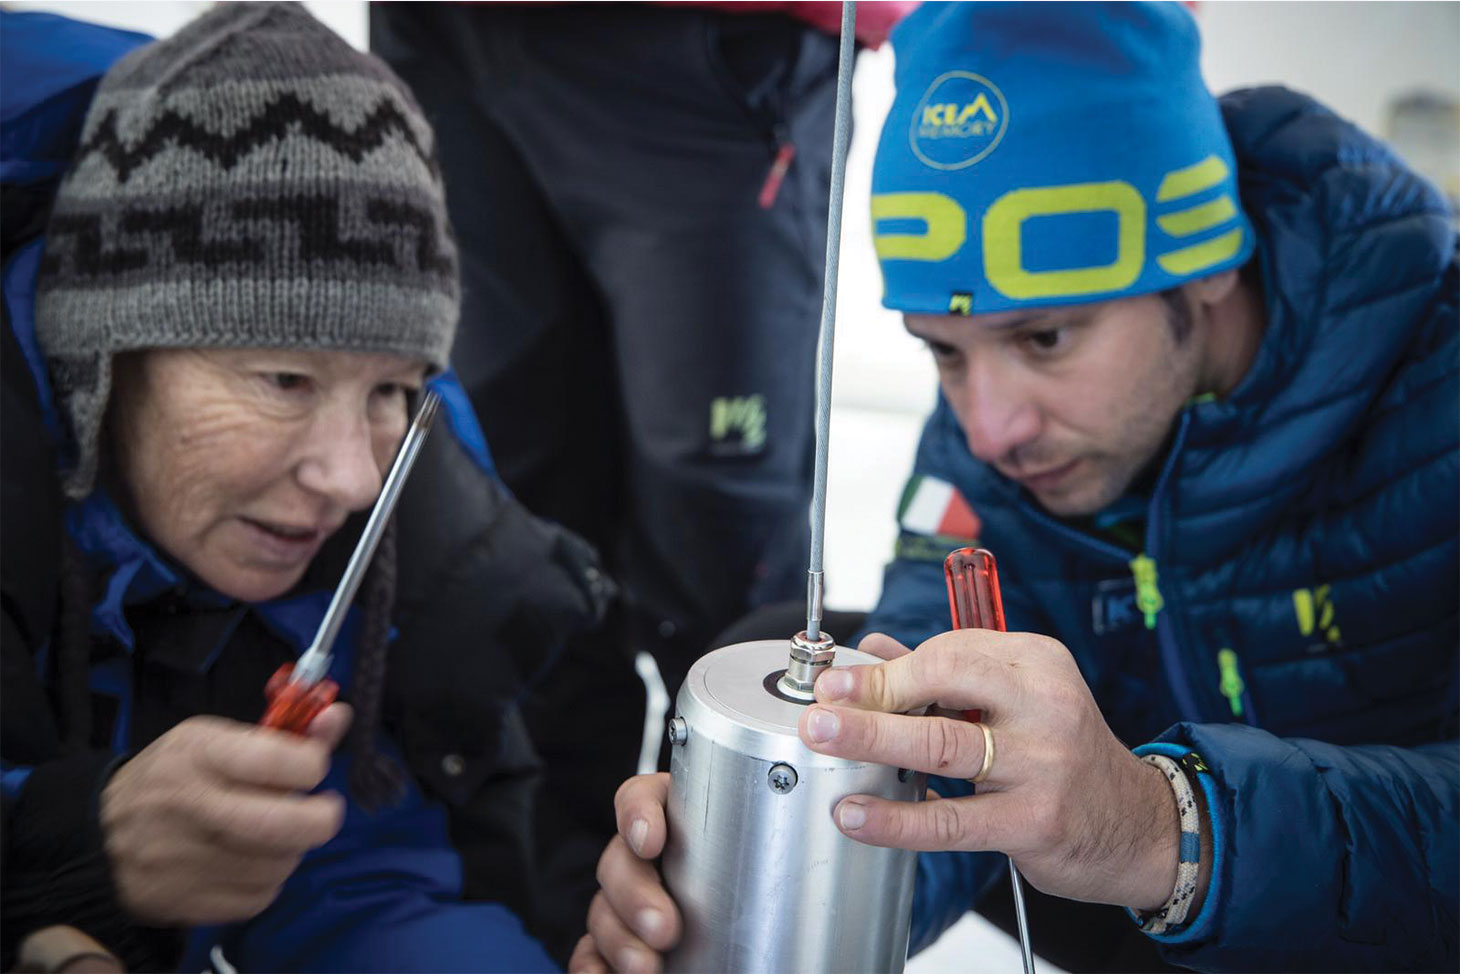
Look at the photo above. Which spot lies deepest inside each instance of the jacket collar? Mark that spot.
(136, 573)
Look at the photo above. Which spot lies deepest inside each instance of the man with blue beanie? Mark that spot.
(1198, 362)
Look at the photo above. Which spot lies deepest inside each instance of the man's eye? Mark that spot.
(1046, 340)
(942, 351)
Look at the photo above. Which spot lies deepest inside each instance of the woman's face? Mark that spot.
(240, 463)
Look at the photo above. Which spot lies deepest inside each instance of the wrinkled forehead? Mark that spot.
(326, 363)
(334, 363)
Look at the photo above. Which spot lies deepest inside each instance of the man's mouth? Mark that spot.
(1048, 478)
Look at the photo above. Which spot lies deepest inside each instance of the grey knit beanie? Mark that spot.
(251, 181)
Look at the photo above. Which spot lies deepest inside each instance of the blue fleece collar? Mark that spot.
(137, 573)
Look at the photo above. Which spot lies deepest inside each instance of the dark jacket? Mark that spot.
(1303, 542)
(487, 597)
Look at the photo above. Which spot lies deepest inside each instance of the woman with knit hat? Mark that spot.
(246, 278)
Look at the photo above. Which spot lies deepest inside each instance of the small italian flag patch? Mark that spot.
(933, 507)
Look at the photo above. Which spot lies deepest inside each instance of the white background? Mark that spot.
(1356, 57)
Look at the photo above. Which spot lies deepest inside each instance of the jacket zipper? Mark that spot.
(780, 165)
(1176, 677)
(1115, 553)
(1231, 683)
(1229, 677)
(1148, 592)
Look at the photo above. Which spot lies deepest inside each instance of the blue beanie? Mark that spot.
(1050, 153)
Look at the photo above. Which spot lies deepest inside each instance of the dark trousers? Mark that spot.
(638, 333)
(639, 311)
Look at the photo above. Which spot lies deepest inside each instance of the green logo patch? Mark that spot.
(737, 425)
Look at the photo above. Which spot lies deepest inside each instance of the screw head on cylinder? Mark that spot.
(782, 778)
(678, 731)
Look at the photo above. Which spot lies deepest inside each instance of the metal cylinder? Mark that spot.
(763, 877)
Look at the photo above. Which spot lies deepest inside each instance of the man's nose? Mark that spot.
(340, 460)
(999, 414)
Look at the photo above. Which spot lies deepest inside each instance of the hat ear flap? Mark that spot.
(83, 386)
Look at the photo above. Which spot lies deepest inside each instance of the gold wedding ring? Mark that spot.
(988, 754)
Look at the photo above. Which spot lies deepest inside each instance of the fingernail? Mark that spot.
(834, 684)
(634, 959)
(851, 816)
(638, 832)
(822, 725)
(649, 923)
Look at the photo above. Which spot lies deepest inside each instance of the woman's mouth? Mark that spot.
(285, 544)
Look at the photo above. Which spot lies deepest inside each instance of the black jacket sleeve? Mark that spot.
(53, 864)
(490, 598)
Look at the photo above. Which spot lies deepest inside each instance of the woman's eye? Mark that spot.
(286, 381)
(393, 389)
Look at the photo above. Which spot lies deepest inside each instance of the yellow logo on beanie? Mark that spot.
(959, 121)
(932, 226)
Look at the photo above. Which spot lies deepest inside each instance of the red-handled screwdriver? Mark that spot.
(973, 589)
(298, 692)
(974, 602)
(973, 595)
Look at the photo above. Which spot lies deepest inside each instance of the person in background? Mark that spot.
(212, 352)
(1198, 362)
(640, 194)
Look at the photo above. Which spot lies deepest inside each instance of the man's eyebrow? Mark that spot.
(1038, 318)
(920, 336)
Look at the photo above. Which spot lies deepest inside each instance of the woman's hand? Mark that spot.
(631, 920)
(206, 823)
(64, 950)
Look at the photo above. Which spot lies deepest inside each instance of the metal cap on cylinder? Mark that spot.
(808, 661)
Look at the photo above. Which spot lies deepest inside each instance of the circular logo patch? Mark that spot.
(959, 121)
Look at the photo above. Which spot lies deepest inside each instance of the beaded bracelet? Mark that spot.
(1173, 912)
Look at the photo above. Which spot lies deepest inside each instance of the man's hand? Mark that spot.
(1082, 816)
(206, 823)
(631, 920)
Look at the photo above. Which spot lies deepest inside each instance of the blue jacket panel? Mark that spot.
(52, 66)
(383, 895)
(1304, 539)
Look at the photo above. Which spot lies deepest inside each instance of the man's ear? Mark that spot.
(1207, 291)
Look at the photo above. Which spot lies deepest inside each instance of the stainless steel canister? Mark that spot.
(764, 879)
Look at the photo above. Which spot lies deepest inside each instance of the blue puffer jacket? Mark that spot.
(1304, 539)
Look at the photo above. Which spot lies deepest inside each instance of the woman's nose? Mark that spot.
(340, 463)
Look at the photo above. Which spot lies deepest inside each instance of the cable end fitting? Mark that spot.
(809, 659)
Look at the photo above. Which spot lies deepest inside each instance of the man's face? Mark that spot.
(1071, 402)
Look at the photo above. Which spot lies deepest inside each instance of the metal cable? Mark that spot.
(1022, 917)
(841, 138)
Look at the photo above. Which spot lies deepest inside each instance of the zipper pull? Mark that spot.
(1231, 685)
(1148, 596)
(785, 155)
